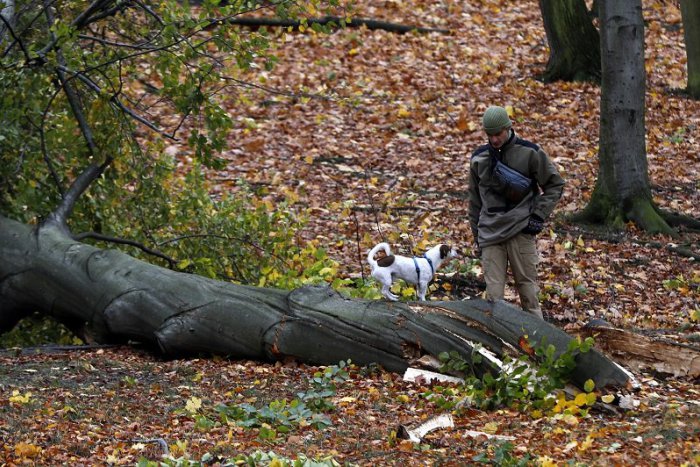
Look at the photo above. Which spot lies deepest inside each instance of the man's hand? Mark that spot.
(534, 225)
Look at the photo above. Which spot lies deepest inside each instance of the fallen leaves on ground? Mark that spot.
(93, 407)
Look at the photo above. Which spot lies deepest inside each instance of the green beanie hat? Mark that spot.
(495, 119)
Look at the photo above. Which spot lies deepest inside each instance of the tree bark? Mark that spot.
(644, 353)
(622, 191)
(690, 10)
(574, 43)
(117, 298)
(7, 19)
(371, 24)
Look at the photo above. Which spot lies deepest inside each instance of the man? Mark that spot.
(507, 209)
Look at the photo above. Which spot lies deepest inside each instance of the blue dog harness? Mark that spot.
(415, 263)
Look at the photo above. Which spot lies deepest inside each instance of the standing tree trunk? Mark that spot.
(574, 43)
(7, 18)
(690, 9)
(622, 191)
(115, 297)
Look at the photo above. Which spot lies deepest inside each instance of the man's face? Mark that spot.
(498, 139)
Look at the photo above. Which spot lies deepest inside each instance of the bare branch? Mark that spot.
(123, 241)
(71, 95)
(228, 239)
(44, 149)
(116, 44)
(61, 214)
(117, 102)
(370, 24)
(100, 9)
(150, 11)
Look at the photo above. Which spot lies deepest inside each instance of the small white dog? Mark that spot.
(418, 270)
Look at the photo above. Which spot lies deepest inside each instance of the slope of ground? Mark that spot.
(373, 130)
(110, 406)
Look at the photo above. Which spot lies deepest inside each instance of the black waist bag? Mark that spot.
(513, 185)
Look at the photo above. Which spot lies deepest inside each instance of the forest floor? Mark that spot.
(383, 156)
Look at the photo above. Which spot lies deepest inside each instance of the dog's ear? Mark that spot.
(444, 251)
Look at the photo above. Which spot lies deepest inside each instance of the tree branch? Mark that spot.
(228, 239)
(117, 102)
(61, 214)
(370, 24)
(71, 95)
(102, 14)
(10, 29)
(44, 149)
(83, 19)
(124, 241)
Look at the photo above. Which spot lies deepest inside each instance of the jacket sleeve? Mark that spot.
(474, 200)
(551, 183)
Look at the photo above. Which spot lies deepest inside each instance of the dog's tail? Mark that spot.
(373, 251)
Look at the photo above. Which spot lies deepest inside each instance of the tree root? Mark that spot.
(675, 219)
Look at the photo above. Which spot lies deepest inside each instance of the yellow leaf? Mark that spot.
(546, 461)
(403, 112)
(27, 450)
(608, 398)
(491, 428)
(695, 315)
(353, 52)
(586, 444)
(309, 159)
(580, 399)
(326, 272)
(19, 398)
(570, 419)
(183, 264)
(511, 111)
(591, 398)
(193, 404)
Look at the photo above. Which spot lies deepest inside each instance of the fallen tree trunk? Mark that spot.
(113, 297)
(643, 353)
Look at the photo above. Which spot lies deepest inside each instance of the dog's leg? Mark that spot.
(386, 280)
(386, 291)
(421, 289)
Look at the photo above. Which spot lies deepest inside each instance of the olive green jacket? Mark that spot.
(492, 219)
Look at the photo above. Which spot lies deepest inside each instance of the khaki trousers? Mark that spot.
(521, 253)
